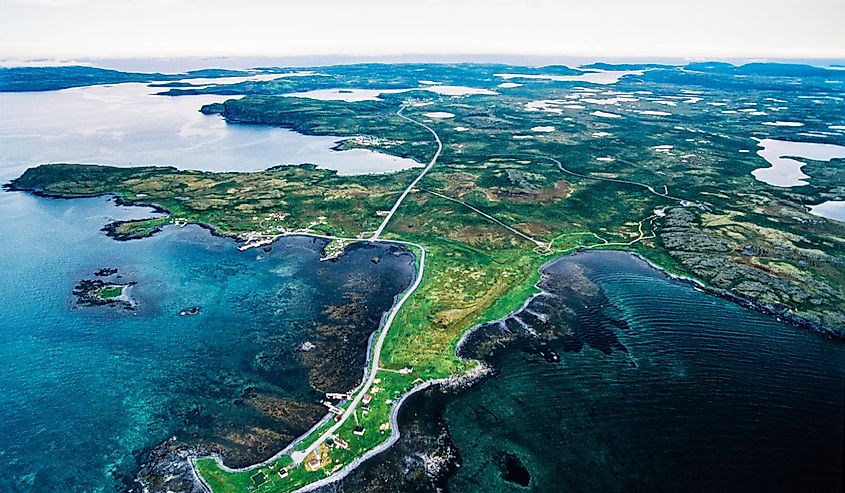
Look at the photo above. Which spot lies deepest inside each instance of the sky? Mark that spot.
(686, 29)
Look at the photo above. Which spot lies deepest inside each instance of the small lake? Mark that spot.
(209, 81)
(831, 209)
(603, 77)
(786, 171)
(126, 125)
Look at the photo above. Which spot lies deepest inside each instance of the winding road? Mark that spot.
(596, 178)
(299, 456)
(416, 180)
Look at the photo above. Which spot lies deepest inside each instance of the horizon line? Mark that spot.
(410, 58)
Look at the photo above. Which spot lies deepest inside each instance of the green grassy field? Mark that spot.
(109, 292)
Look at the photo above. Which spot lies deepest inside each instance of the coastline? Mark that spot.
(475, 374)
(218, 459)
(118, 201)
(465, 380)
(481, 371)
(780, 314)
(650, 357)
(748, 244)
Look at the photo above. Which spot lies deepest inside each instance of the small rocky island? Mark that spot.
(104, 292)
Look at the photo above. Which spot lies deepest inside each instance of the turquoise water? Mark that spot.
(85, 391)
(658, 387)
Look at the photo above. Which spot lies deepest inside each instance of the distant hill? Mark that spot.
(28, 79)
(765, 69)
(626, 66)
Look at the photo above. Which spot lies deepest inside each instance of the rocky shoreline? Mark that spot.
(780, 312)
(421, 458)
(104, 291)
(332, 356)
(419, 455)
(162, 472)
(113, 230)
(411, 452)
(167, 467)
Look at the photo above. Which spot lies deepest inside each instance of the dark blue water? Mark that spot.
(85, 391)
(658, 387)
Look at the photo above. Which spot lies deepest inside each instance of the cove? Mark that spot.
(87, 392)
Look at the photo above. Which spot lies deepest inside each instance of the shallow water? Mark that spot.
(84, 390)
(659, 387)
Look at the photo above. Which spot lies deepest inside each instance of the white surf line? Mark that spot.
(488, 216)
(394, 414)
(298, 456)
(394, 437)
(416, 180)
